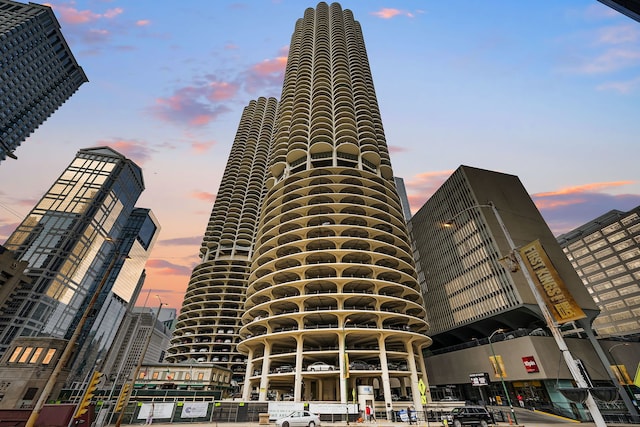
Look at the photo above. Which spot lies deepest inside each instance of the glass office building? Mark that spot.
(69, 239)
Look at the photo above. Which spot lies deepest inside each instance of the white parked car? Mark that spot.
(320, 366)
(299, 419)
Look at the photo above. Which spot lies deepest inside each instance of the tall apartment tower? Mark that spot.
(471, 286)
(68, 238)
(606, 254)
(208, 327)
(39, 72)
(332, 274)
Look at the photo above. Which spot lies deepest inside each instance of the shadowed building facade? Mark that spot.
(480, 303)
(333, 301)
(208, 327)
(38, 71)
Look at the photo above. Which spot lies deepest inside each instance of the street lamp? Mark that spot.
(499, 369)
(345, 371)
(553, 326)
(140, 361)
(68, 351)
(628, 399)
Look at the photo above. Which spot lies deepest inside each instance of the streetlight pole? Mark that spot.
(628, 399)
(553, 326)
(140, 361)
(68, 351)
(499, 369)
(345, 369)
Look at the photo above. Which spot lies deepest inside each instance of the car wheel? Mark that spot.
(483, 423)
(285, 424)
(457, 423)
(312, 424)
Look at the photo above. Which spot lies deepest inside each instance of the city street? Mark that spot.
(526, 418)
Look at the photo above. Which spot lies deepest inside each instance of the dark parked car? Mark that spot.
(470, 415)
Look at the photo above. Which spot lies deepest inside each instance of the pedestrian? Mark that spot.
(409, 415)
(372, 414)
(367, 413)
(150, 414)
(521, 400)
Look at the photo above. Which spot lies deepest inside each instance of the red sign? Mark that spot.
(530, 364)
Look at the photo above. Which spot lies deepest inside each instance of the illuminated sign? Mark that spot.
(530, 364)
(478, 380)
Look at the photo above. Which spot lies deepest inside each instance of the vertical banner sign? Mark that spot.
(498, 366)
(621, 374)
(636, 380)
(559, 301)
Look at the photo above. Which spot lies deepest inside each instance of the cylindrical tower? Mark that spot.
(333, 300)
(208, 326)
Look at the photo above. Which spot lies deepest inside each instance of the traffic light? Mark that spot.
(83, 407)
(122, 400)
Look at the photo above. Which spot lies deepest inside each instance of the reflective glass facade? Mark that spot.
(67, 241)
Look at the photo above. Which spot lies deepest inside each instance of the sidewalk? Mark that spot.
(381, 423)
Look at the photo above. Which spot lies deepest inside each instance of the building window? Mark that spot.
(36, 355)
(30, 393)
(154, 376)
(25, 355)
(15, 354)
(48, 356)
(201, 376)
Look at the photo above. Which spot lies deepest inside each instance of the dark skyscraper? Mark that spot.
(37, 69)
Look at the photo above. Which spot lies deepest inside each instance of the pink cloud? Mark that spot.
(68, 14)
(187, 106)
(7, 228)
(388, 13)
(397, 149)
(96, 36)
(570, 207)
(143, 22)
(137, 151)
(268, 74)
(584, 188)
(422, 186)
(270, 66)
(167, 268)
(220, 91)
(203, 195)
(202, 147)
(112, 13)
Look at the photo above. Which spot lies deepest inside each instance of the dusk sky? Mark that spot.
(545, 90)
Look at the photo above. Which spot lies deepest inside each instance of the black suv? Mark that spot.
(470, 415)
